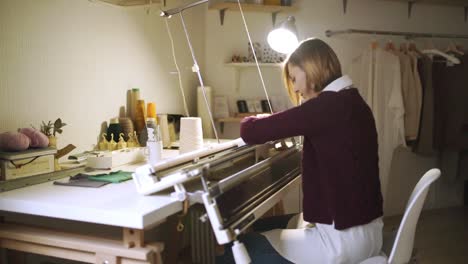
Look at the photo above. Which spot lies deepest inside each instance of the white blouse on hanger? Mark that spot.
(376, 74)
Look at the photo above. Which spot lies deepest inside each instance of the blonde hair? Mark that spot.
(317, 60)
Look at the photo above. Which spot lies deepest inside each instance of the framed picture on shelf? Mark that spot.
(265, 106)
(242, 106)
(220, 107)
(251, 106)
(258, 106)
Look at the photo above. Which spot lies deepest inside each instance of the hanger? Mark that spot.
(412, 48)
(433, 51)
(448, 57)
(452, 48)
(460, 47)
(390, 46)
(374, 43)
(404, 47)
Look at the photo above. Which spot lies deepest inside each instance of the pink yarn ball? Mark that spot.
(38, 139)
(14, 141)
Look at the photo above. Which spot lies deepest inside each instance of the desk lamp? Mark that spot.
(283, 38)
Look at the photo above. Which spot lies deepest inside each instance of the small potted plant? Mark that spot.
(51, 129)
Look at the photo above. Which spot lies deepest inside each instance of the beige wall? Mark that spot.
(76, 59)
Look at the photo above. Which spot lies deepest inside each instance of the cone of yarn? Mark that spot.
(191, 134)
(151, 110)
(127, 126)
(140, 116)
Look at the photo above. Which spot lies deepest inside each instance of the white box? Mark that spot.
(31, 162)
(112, 159)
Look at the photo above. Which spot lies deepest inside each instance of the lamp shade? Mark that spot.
(283, 38)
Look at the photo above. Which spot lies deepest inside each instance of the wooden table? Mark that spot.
(117, 205)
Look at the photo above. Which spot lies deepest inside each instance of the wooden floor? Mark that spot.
(441, 236)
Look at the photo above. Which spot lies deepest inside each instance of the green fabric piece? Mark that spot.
(114, 177)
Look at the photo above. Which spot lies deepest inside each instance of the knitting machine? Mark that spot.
(236, 183)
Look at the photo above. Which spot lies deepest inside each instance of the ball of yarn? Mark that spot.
(38, 139)
(14, 141)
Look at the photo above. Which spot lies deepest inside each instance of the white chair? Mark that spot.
(402, 245)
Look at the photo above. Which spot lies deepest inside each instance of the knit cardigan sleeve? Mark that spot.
(312, 118)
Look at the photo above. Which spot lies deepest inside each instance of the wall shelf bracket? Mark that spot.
(410, 8)
(273, 17)
(466, 13)
(222, 12)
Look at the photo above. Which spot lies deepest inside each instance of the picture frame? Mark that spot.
(251, 106)
(220, 107)
(242, 106)
(258, 106)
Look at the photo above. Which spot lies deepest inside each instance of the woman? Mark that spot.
(340, 176)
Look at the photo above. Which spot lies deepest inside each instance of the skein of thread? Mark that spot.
(191, 134)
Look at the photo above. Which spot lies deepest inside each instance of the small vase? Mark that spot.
(52, 142)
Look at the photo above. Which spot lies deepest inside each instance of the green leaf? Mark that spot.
(58, 123)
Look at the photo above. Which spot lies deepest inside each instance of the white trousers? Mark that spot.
(324, 244)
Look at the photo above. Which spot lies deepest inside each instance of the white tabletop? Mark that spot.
(113, 204)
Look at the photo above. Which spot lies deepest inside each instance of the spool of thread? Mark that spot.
(191, 134)
(114, 129)
(140, 122)
(164, 125)
(134, 97)
(151, 110)
(127, 126)
(140, 115)
(203, 110)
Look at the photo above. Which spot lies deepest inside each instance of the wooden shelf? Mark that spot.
(231, 6)
(227, 120)
(252, 64)
(230, 119)
(131, 2)
(234, 119)
(436, 2)
(461, 3)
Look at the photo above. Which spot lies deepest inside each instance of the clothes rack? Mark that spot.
(408, 35)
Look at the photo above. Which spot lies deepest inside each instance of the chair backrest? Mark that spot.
(403, 245)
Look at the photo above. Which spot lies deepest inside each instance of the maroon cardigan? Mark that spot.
(340, 173)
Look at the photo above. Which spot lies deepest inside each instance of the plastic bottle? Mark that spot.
(154, 143)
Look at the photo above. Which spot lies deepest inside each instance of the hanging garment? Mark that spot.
(424, 142)
(376, 74)
(450, 105)
(411, 100)
(414, 109)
